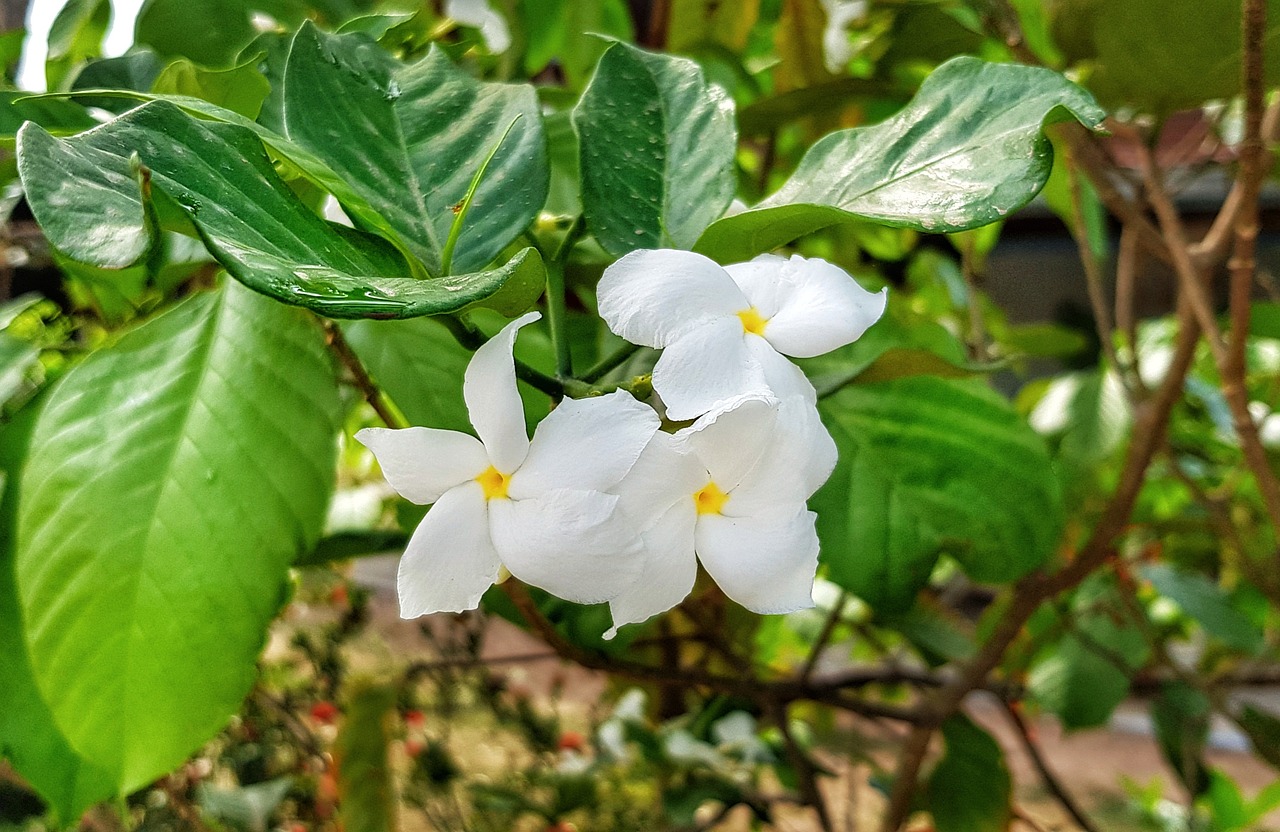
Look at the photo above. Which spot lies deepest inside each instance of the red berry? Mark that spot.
(414, 718)
(413, 748)
(325, 712)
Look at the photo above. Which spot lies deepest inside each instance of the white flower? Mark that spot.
(837, 50)
(538, 507)
(725, 332)
(478, 13)
(730, 492)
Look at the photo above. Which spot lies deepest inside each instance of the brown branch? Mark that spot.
(806, 772)
(1194, 292)
(1126, 294)
(1026, 595)
(361, 378)
(828, 628)
(1051, 781)
(828, 692)
(1213, 246)
(1102, 318)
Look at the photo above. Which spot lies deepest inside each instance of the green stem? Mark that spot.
(455, 231)
(557, 310)
(610, 363)
(471, 338)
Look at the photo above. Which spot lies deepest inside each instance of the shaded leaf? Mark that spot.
(241, 89)
(970, 790)
(1207, 604)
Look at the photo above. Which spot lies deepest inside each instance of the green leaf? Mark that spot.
(575, 32)
(17, 357)
(408, 139)
(1181, 715)
(209, 32)
(137, 71)
(1207, 604)
(352, 544)
(55, 115)
(656, 144)
(930, 466)
(696, 23)
(970, 790)
(419, 364)
(241, 89)
(361, 754)
(1195, 59)
(75, 37)
(29, 736)
(967, 151)
(1264, 733)
(1087, 674)
(87, 199)
(174, 476)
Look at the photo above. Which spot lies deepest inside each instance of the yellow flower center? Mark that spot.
(494, 484)
(710, 500)
(753, 321)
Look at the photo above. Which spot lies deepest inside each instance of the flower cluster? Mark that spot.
(602, 504)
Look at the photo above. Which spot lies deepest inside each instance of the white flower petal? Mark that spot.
(450, 560)
(822, 308)
(478, 13)
(765, 564)
(667, 471)
(783, 378)
(798, 458)
(758, 280)
(654, 297)
(669, 570)
(576, 545)
(489, 388)
(423, 463)
(730, 443)
(708, 369)
(586, 444)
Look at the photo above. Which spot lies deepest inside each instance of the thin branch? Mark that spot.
(805, 771)
(828, 628)
(1126, 295)
(609, 363)
(1025, 597)
(1192, 282)
(1051, 781)
(1093, 281)
(1213, 246)
(371, 392)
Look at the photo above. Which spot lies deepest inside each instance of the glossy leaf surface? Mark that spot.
(656, 144)
(249, 219)
(967, 151)
(409, 139)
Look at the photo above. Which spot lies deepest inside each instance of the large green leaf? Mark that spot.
(931, 466)
(970, 790)
(173, 478)
(1195, 59)
(241, 89)
(656, 144)
(968, 150)
(409, 139)
(29, 737)
(86, 195)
